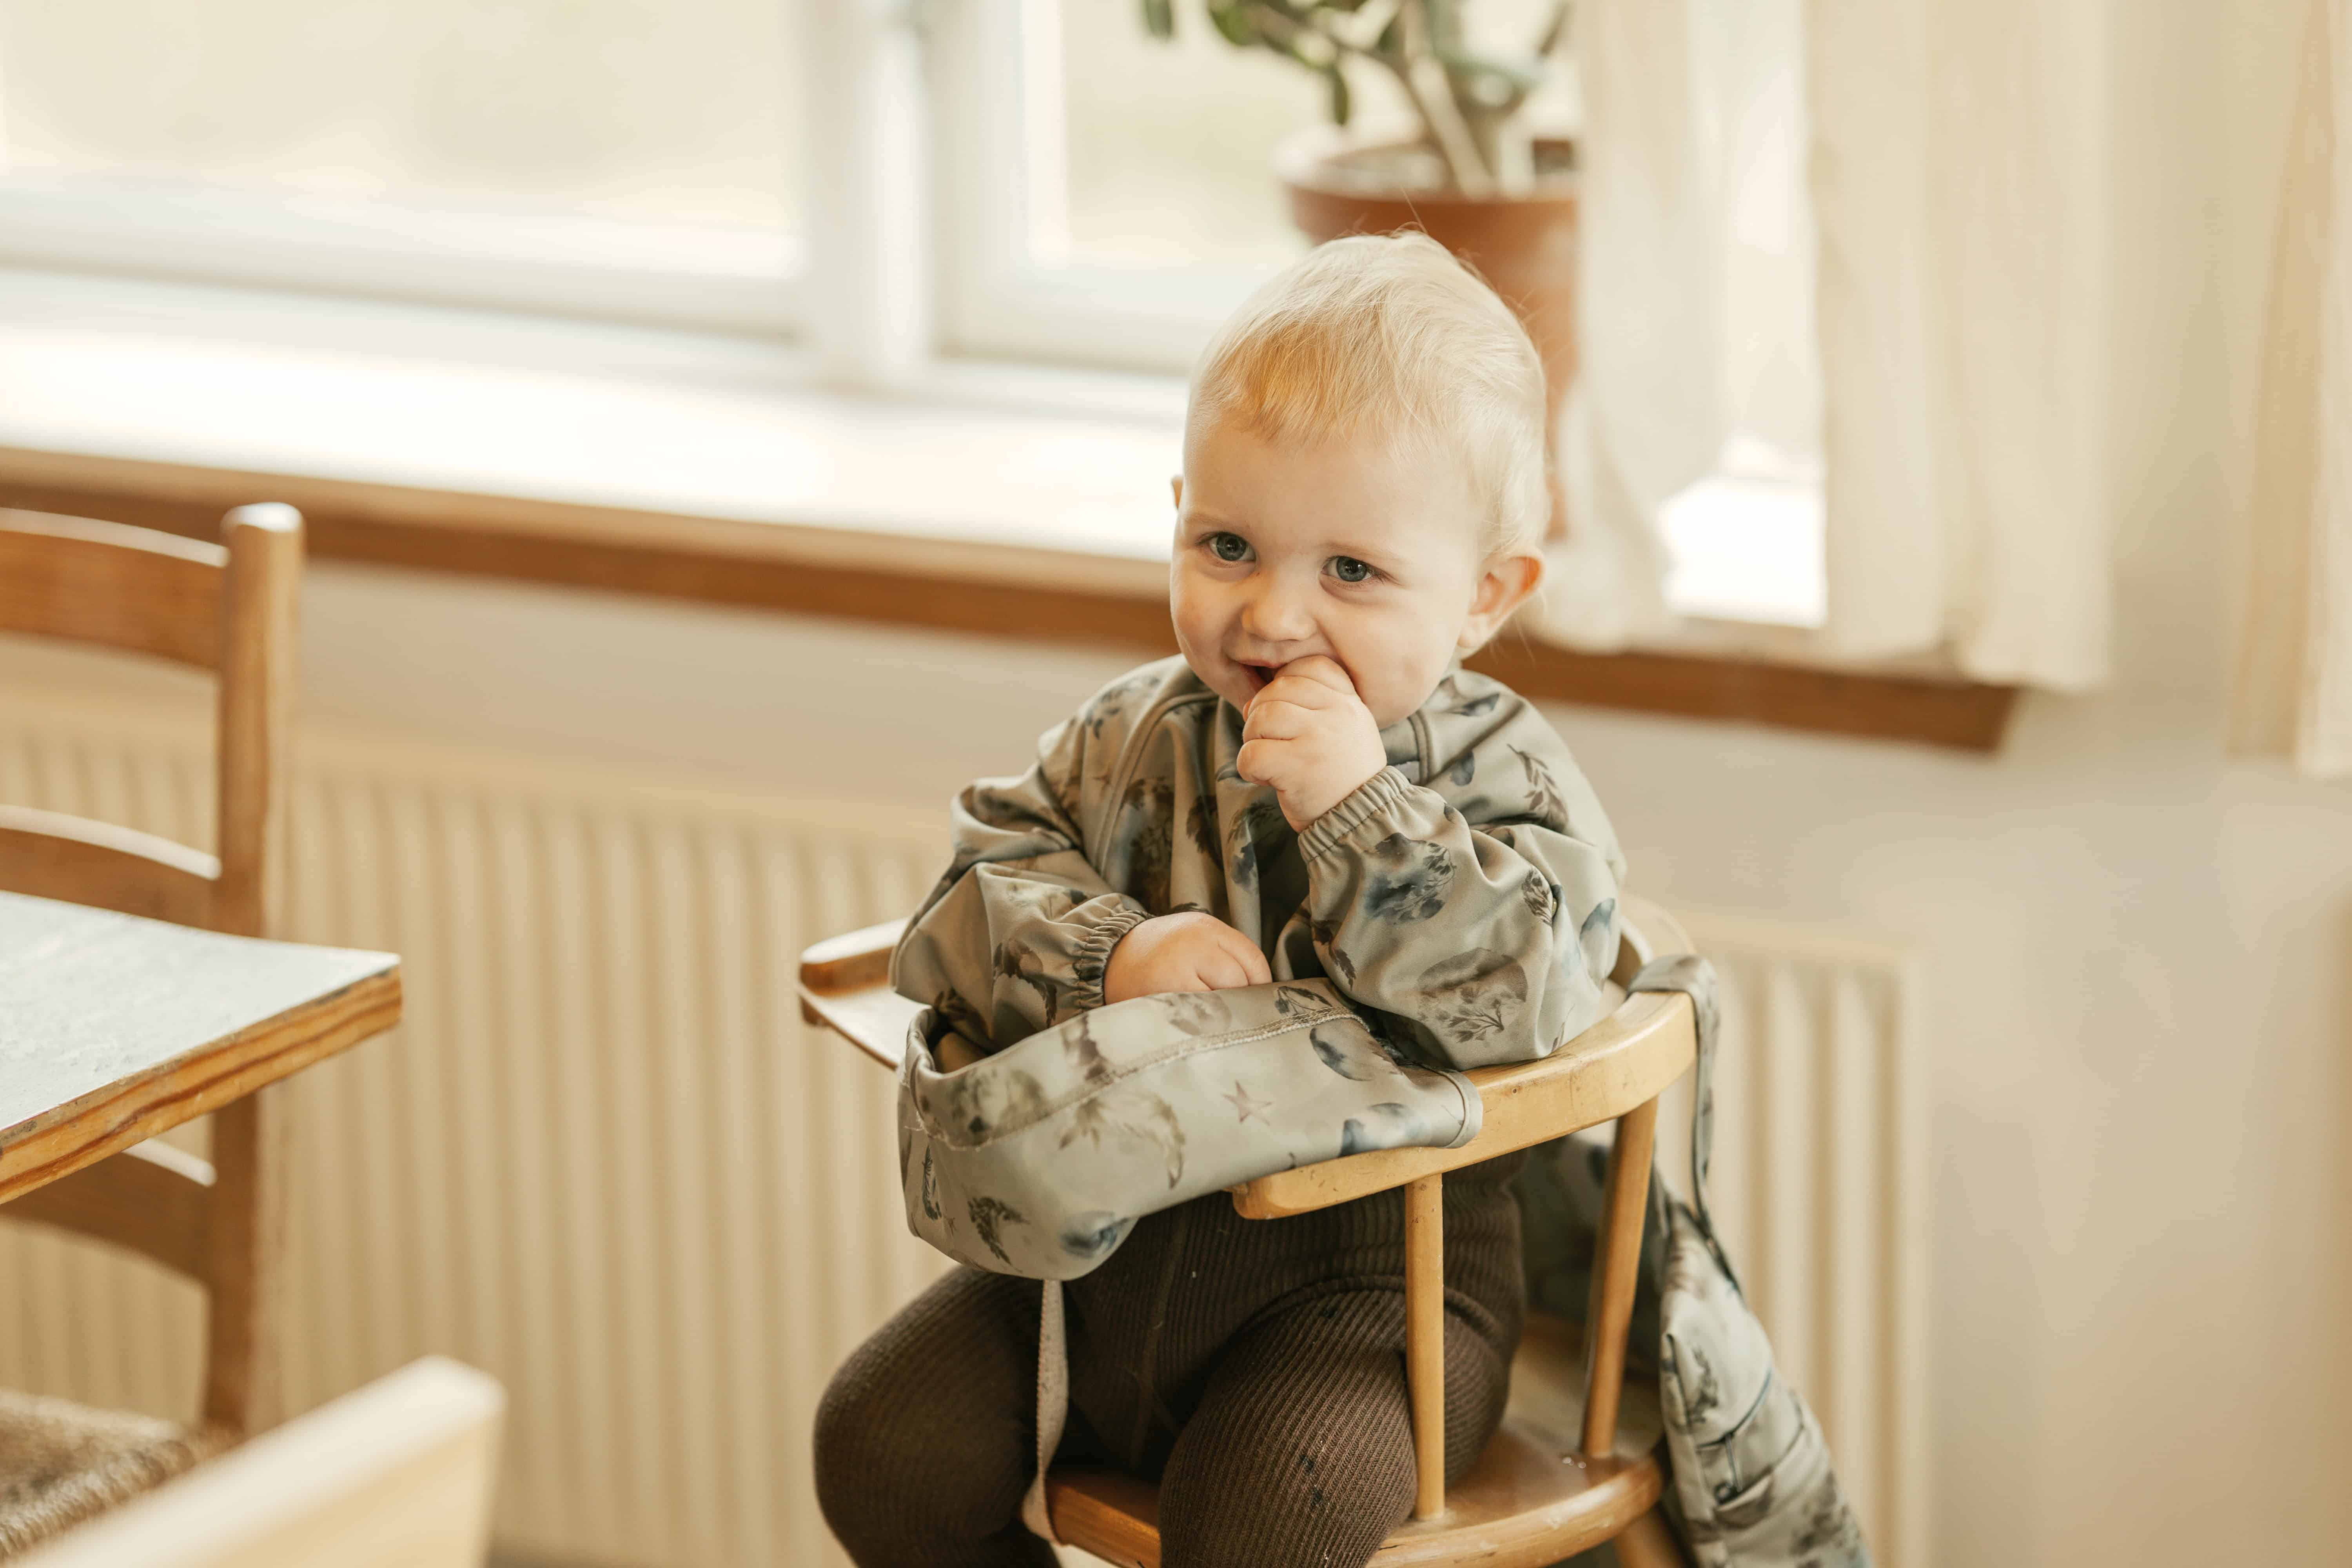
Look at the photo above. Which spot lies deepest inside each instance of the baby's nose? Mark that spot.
(1275, 616)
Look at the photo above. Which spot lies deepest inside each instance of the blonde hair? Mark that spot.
(1390, 333)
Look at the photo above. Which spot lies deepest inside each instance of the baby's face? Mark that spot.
(1363, 549)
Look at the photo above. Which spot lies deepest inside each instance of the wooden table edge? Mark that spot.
(135, 1109)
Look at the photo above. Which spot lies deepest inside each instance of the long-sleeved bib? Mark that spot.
(1414, 930)
(1462, 902)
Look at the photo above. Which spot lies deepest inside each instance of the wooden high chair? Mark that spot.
(1564, 1473)
(229, 608)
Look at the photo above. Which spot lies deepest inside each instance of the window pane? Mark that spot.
(1169, 146)
(671, 110)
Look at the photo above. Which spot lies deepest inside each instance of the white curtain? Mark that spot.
(2294, 692)
(1864, 233)
(1696, 323)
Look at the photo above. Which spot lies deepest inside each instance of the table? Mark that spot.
(113, 1029)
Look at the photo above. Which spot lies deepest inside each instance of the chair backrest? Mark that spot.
(399, 1475)
(228, 607)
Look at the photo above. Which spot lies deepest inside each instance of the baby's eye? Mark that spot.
(1348, 569)
(1228, 547)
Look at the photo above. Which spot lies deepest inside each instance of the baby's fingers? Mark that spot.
(1320, 671)
(1275, 720)
(1299, 693)
(1246, 954)
(1257, 761)
(1220, 971)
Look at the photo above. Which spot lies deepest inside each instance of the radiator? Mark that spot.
(603, 1158)
(1818, 1184)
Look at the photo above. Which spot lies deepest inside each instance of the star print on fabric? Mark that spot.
(1244, 1107)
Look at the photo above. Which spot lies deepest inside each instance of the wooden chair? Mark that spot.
(1577, 1461)
(230, 608)
(398, 1475)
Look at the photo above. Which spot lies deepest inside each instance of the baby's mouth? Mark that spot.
(1260, 674)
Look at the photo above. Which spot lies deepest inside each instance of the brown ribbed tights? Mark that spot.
(1255, 1368)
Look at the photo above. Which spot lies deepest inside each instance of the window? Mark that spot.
(892, 184)
(635, 158)
(1073, 190)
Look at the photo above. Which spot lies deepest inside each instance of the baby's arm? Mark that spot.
(1016, 935)
(1458, 930)
(1490, 942)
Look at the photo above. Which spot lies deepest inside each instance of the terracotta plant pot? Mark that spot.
(1523, 245)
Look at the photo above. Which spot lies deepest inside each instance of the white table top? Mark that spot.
(93, 1003)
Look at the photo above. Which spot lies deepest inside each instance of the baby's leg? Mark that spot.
(1301, 1449)
(925, 1440)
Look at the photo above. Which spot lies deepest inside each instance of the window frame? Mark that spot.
(996, 87)
(560, 264)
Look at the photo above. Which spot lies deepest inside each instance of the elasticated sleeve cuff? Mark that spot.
(1375, 797)
(1092, 954)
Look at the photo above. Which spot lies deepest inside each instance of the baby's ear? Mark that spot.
(1507, 582)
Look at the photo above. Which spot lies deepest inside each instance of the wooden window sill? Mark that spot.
(996, 590)
(640, 463)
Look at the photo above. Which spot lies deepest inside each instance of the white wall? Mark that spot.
(2139, 949)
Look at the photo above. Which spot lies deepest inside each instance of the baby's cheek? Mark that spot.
(1415, 670)
(1197, 639)
(1392, 689)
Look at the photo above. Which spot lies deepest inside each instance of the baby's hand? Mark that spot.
(1186, 952)
(1310, 736)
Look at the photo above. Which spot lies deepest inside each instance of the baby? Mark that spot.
(1315, 788)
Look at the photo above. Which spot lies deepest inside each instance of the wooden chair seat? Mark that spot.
(1529, 1500)
(61, 1463)
(400, 1474)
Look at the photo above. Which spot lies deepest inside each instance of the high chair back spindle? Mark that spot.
(1577, 1461)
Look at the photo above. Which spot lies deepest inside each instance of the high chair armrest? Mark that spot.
(852, 960)
(1625, 1061)
(1621, 1062)
(846, 987)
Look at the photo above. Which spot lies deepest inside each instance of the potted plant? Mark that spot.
(1465, 167)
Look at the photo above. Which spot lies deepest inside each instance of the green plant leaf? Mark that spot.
(1487, 90)
(1234, 20)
